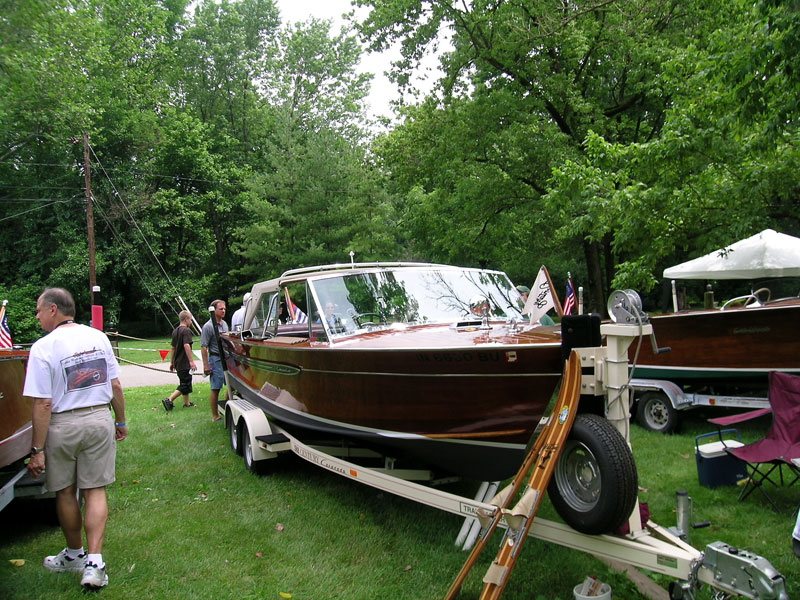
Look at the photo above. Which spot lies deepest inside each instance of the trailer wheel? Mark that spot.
(595, 484)
(256, 467)
(656, 413)
(233, 433)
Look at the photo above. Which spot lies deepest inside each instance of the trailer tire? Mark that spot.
(233, 434)
(256, 467)
(594, 485)
(655, 412)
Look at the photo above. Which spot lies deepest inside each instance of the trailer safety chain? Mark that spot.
(694, 567)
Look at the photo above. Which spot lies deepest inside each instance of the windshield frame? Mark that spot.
(366, 300)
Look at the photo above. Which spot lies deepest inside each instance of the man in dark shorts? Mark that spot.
(182, 361)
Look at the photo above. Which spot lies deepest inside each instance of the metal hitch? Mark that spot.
(741, 572)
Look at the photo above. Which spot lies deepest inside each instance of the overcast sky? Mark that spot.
(382, 90)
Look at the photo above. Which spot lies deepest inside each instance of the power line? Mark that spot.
(13, 200)
(24, 212)
(136, 226)
(124, 245)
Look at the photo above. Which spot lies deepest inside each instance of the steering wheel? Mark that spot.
(760, 291)
(744, 301)
(358, 316)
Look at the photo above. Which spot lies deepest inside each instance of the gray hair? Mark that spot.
(61, 298)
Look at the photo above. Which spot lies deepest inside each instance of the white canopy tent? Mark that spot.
(766, 254)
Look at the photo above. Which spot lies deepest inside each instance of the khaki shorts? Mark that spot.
(80, 448)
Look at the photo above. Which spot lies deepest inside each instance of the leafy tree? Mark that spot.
(314, 198)
(722, 168)
(527, 82)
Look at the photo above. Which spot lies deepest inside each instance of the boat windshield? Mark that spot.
(350, 302)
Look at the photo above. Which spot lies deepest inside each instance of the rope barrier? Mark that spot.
(128, 337)
(130, 362)
(142, 349)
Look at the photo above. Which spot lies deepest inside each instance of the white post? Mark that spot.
(580, 300)
(618, 339)
(674, 297)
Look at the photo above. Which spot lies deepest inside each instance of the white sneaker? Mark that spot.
(61, 562)
(94, 577)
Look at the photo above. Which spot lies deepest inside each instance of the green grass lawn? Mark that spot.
(188, 521)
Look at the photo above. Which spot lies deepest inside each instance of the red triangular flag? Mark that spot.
(163, 353)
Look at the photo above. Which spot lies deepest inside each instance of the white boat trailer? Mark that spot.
(727, 570)
(666, 399)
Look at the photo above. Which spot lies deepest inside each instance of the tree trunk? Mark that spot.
(594, 270)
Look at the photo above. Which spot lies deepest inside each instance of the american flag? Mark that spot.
(5, 333)
(569, 301)
(298, 316)
(295, 314)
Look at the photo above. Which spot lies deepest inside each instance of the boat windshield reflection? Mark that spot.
(352, 302)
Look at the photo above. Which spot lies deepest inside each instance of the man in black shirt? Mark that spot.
(182, 361)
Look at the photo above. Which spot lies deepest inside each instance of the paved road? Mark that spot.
(151, 374)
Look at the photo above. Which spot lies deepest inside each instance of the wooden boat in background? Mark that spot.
(15, 409)
(431, 361)
(747, 336)
(739, 345)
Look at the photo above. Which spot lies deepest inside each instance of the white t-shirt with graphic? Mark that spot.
(72, 365)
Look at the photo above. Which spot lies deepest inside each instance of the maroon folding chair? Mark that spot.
(775, 451)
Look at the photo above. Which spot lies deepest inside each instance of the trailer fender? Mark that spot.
(673, 392)
(246, 423)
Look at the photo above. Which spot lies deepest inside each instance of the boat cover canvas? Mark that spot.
(766, 254)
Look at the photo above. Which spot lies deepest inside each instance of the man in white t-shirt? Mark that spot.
(73, 376)
(237, 320)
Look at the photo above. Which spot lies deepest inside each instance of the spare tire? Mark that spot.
(594, 485)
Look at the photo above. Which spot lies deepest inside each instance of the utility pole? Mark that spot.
(89, 215)
(97, 310)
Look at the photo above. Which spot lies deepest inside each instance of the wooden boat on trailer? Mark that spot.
(722, 356)
(745, 338)
(15, 409)
(433, 361)
(737, 344)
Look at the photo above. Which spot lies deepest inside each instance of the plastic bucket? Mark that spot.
(605, 593)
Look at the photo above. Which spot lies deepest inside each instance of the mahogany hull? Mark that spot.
(465, 402)
(739, 345)
(15, 409)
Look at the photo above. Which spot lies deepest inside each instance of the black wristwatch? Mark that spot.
(35, 450)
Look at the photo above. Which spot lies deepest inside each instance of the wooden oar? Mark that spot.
(565, 408)
(520, 518)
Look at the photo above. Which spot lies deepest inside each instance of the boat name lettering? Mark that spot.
(317, 459)
(333, 467)
(746, 330)
(306, 454)
(457, 357)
